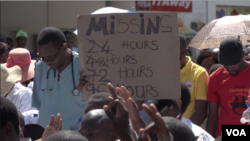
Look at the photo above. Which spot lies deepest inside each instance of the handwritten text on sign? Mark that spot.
(139, 51)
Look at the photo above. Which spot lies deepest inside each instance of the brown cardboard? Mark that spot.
(137, 50)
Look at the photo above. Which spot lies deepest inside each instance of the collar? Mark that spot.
(16, 88)
(187, 66)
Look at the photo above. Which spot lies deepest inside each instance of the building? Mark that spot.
(32, 16)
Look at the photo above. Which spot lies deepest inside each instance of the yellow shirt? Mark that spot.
(196, 78)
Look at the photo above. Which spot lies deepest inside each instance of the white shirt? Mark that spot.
(30, 85)
(28, 116)
(21, 97)
(198, 131)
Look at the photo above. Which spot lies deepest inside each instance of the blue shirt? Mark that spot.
(60, 99)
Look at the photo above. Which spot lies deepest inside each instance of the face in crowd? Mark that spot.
(96, 126)
(21, 41)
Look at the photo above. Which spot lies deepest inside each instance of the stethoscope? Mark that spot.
(75, 92)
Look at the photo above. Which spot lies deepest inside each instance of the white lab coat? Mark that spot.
(21, 97)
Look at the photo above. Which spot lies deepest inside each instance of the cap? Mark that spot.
(230, 51)
(21, 33)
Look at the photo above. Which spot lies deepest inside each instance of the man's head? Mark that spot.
(178, 129)
(52, 47)
(214, 68)
(9, 120)
(21, 120)
(4, 52)
(2, 38)
(180, 105)
(97, 101)
(96, 126)
(231, 55)
(69, 38)
(21, 38)
(207, 58)
(9, 41)
(66, 135)
(183, 50)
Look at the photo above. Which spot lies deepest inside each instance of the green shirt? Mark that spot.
(60, 99)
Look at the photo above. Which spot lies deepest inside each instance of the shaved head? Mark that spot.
(96, 126)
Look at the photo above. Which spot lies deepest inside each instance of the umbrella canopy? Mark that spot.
(211, 35)
(107, 10)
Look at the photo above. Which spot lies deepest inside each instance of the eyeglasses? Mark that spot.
(55, 56)
(182, 55)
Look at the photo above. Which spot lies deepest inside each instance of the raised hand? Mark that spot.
(54, 126)
(158, 127)
(129, 103)
(120, 122)
(83, 81)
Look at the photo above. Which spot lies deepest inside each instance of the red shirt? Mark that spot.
(231, 92)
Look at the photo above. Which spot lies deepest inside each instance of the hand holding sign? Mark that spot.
(83, 81)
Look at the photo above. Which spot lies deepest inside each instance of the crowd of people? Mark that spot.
(214, 92)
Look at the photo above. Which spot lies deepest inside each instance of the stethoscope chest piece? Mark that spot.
(76, 92)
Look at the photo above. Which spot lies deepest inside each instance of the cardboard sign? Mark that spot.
(137, 50)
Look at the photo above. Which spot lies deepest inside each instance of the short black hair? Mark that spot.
(8, 38)
(214, 68)
(68, 32)
(179, 130)
(21, 119)
(160, 104)
(185, 97)
(4, 47)
(182, 41)
(8, 113)
(66, 135)
(101, 97)
(51, 34)
(207, 54)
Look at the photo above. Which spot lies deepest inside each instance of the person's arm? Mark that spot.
(158, 126)
(53, 126)
(212, 121)
(120, 121)
(200, 112)
(130, 104)
(36, 98)
(200, 99)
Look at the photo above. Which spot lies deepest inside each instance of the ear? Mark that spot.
(9, 129)
(243, 54)
(179, 116)
(65, 46)
(186, 51)
(22, 127)
(180, 103)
